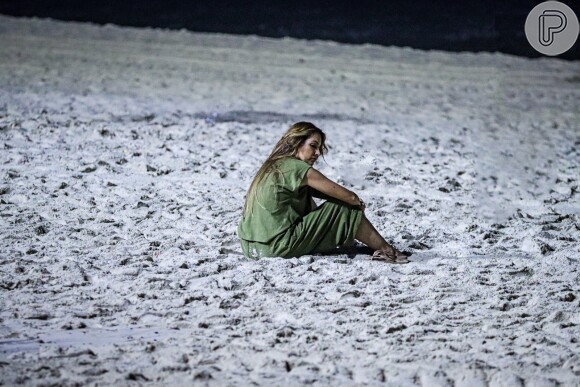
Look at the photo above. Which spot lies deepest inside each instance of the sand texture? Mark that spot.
(125, 155)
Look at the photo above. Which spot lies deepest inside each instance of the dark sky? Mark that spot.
(452, 25)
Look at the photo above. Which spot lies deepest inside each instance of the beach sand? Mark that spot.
(125, 157)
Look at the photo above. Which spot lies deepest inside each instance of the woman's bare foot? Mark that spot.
(368, 235)
(390, 255)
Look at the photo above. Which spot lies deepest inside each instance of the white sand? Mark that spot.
(125, 158)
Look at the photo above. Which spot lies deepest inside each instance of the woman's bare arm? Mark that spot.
(328, 187)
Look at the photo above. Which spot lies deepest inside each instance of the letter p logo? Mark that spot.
(551, 22)
(552, 28)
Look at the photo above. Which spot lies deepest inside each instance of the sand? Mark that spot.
(126, 154)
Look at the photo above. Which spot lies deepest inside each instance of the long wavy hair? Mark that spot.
(287, 146)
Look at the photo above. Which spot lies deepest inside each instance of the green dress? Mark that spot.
(281, 222)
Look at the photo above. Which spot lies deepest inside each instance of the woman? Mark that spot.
(280, 217)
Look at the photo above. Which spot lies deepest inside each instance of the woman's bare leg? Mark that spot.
(368, 235)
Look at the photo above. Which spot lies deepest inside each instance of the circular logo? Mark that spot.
(552, 28)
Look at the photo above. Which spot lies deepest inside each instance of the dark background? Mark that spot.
(467, 25)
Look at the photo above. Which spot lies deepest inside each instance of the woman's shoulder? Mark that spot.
(292, 171)
(292, 163)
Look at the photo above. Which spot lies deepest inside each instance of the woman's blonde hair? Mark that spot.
(287, 146)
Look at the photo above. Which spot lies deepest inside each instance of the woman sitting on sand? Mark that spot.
(280, 217)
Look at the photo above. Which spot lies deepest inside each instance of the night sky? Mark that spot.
(450, 25)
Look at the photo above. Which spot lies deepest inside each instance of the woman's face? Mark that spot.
(310, 149)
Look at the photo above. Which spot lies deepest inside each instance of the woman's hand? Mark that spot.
(359, 203)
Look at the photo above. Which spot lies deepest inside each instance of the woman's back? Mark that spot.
(278, 202)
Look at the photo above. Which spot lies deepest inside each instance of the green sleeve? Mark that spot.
(293, 172)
